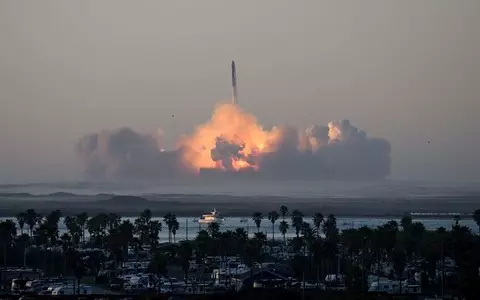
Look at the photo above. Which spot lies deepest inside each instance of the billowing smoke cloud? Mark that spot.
(225, 150)
(126, 154)
(336, 151)
(232, 142)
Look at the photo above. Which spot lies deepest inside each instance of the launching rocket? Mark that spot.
(234, 84)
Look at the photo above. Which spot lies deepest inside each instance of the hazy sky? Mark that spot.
(408, 71)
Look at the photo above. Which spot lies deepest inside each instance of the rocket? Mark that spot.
(234, 84)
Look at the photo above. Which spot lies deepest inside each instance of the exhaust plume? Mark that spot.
(126, 154)
(232, 142)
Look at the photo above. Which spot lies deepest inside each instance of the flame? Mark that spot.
(233, 140)
(240, 164)
(230, 123)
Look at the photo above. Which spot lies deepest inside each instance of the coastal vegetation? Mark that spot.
(319, 248)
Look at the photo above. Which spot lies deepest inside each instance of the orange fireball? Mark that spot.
(229, 124)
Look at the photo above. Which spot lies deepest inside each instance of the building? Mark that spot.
(259, 279)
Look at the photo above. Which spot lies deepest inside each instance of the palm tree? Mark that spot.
(329, 228)
(65, 240)
(142, 227)
(175, 227)
(273, 217)
(330, 249)
(316, 248)
(42, 236)
(456, 220)
(8, 232)
(260, 237)
(137, 246)
(73, 228)
(213, 229)
(251, 253)
(113, 220)
(126, 232)
(416, 236)
(96, 226)
(306, 228)
(82, 219)
(147, 230)
(384, 236)
(21, 221)
(430, 251)
(202, 244)
(226, 243)
(77, 265)
(114, 244)
(317, 221)
(406, 222)
(283, 227)
(185, 253)
(23, 241)
(54, 217)
(69, 221)
(241, 237)
(297, 243)
(257, 218)
(51, 222)
(31, 218)
(144, 218)
(47, 234)
(352, 240)
(66, 243)
(92, 226)
(118, 240)
(283, 211)
(146, 215)
(154, 228)
(297, 221)
(476, 218)
(103, 222)
(168, 220)
(308, 236)
(241, 233)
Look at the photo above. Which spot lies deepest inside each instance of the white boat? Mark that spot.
(212, 217)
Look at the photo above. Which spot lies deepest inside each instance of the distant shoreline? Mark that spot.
(160, 214)
(445, 207)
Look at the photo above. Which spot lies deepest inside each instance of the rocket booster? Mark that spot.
(234, 83)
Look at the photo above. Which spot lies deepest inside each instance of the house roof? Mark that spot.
(280, 269)
(260, 273)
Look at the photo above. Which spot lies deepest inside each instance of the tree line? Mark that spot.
(319, 248)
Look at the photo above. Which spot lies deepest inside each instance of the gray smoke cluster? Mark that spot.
(125, 154)
(337, 151)
(225, 150)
